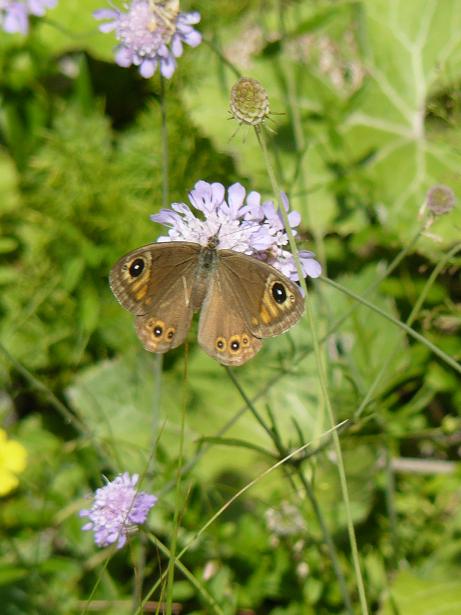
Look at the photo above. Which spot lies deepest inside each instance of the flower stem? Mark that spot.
(282, 451)
(250, 406)
(398, 323)
(165, 153)
(410, 320)
(225, 506)
(214, 47)
(178, 504)
(322, 375)
(201, 589)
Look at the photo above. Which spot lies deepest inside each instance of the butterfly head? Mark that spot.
(213, 241)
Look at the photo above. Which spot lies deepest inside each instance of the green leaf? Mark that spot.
(413, 52)
(410, 594)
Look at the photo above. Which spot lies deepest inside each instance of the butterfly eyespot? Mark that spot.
(220, 344)
(136, 267)
(157, 329)
(170, 333)
(234, 345)
(245, 341)
(279, 292)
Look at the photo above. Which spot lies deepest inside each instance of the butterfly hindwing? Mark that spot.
(223, 331)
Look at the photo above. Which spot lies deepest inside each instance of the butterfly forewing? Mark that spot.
(155, 283)
(269, 301)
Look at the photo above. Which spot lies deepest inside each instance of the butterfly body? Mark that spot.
(241, 299)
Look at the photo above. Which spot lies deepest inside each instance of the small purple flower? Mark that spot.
(117, 509)
(14, 14)
(241, 223)
(151, 33)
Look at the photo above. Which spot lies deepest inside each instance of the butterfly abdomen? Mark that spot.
(206, 267)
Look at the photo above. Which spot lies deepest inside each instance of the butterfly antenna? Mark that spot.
(230, 233)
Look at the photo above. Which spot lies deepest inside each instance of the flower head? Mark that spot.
(13, 459)
(440, 199)
(117, 509)
(240, 222)
(151, 34)
(249, 102)
(14, 14)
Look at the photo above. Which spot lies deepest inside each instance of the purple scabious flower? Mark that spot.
(241, 223)
(151, 34)
(14, 14)
(117, 509)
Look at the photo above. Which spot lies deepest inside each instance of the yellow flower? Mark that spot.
(13, 459)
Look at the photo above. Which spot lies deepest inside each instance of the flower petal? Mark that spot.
(147, 68)
(176, 46)
(193, 39)
(167, 66)
(236, 195)
(124, 56)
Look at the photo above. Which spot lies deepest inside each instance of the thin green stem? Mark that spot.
(443, 262)
(341, 469)
(222, 57)
(165, 152)
(296, 122)
(322, 377)
(274, 435)
(391, 509)
(50, 396)
(178, 503)
(62, 409)
(390, 490)
(389, 269)
(277, 193)
(139, 570)
(248, 486)
(189, 576)
(95, 587)
(251, 407)
(328, 541)
(417, 336)
(239, 493)
(410, 320)
(157, 366)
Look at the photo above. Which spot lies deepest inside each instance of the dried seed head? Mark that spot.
(440, 199)
(249, 102)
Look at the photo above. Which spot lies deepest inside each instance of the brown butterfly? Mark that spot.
(241, 299)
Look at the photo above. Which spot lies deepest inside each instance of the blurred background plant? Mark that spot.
(366, 109)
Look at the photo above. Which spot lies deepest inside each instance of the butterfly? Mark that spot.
(241, 299)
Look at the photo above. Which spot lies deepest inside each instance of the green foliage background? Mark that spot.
(367, 94)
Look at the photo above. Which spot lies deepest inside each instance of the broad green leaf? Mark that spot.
(413, 53)
(411, 594)
(70, 26)
(122, 406)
